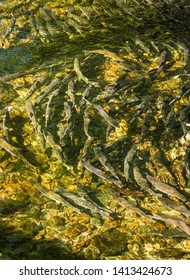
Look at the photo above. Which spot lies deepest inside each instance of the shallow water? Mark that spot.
(81, 77)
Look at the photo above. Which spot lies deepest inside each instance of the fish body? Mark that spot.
(142, 182)
(169, 123)
(131, 153)
(70, 92)
(175, 205)
(47, 90)
(57, 150)
(146, 123)
(180, 224)
(186, 58)
(106, 53)
(185, 119)
(5, 110)
(78, 71)
(86, 92)
(85, 151)
(48, 106)
(106, 117)
(162, 59)
(14, 151)
(128, 160)
(165, 188)
(4, 122)
(68, 112)
(9, 29)
(54, 196)
(141, 44)
(61, 132)
(187, 162)
(125, 203)
(85, 11)
(37, 84)
(99, 173)
(75, 25)
(86, 122)
(83, 201)
(31, 114)
(104, 161)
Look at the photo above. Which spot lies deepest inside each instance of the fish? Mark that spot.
(170, 119)
(48, 107)
(169, 123)
(70, 93)
(40, 136)
(86, 122)
(187, 162)
(85, 151)
(5, 110)
(180, 224)
(104, 161)
(179, 207)
(116, 144)
(99, 173)
(9, 29)
(47, 15)
(4, 125)
(162, 59)
(120, 83)
(54, 83)
(37, 127)
(37, 84)
(139, 109)
(109, 130)
(47, 112)
(125, 203)
(31, 114)
(61, 132)
(86, 92)
(154, 46)
(141, 44)
(146, 123)
(68, 120)
(33, 25)
(35, 69)
(68, 112)
(128, 160)
(106, 117)
(184, 118)
(106, 53)
(83, 201)
(130, 155)
(161, 63)
(161, 105)
(182, 46)
(186, 55)
(15, 152)
(81, 20)
(85, 11)
(165, 188)
(78, 71)
(183, 92)
(57, 150)
(142, 182)
(42, 29)
(54, 196)
(74, 24)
